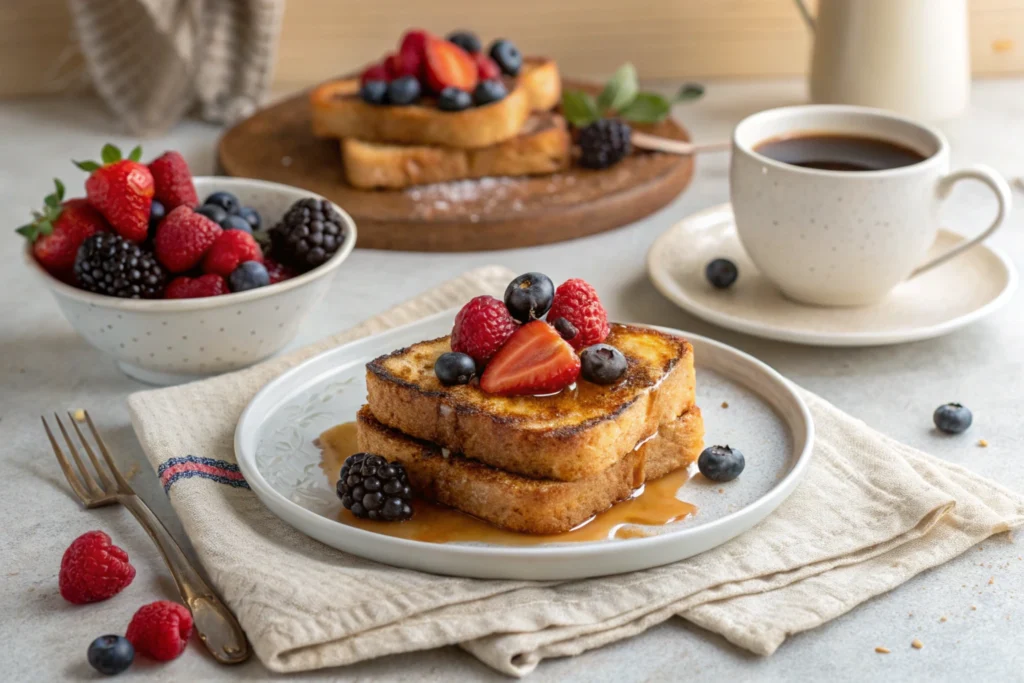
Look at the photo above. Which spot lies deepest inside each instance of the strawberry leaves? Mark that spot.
(621, 97)
(42, 223)
(109, 155)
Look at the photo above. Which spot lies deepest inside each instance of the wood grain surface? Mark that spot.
(670, 39)
(492, 213)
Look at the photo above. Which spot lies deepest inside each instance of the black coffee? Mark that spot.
(833, 152)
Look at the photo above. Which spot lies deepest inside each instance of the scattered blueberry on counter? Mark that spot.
(453, 99)
(952, 418)
(721, 273)
(602, 364)
(454, 368)
(110, 655)
(529, 296)
(720, 463)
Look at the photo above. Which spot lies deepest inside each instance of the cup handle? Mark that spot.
(999, 188)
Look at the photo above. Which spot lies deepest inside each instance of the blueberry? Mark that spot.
(529, 296)
(952, 418)
(565, 329)
(489, 91)
(110, 655)
(507, 57)
(404, 90)
(454, 368)
(720, 463)
(224, 200)
(249, 275)
(252, 215)
(467, 40)
(602, 364)
(453, 99)
(213, 212)
(157, 211)
(234, 222)
(721, 273)
(374, 92)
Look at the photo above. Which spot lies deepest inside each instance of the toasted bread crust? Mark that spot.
(571, 436)
(543, 147)
(338, 112)
(533, 506)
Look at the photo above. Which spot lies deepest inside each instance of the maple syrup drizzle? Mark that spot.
(653, 504)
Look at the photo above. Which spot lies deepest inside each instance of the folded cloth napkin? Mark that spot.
(870, 514)
(152, 60)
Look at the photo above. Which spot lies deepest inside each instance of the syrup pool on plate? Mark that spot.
(652, 504)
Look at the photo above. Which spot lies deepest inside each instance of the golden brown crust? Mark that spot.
(570, 436)
(338, 112)
(543, 147)
(535, 506)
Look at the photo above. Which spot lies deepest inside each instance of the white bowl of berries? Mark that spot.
(176, 290)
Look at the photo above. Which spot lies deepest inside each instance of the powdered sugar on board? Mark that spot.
(478, 198)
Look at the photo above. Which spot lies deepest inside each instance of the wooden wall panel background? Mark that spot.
(664, 38)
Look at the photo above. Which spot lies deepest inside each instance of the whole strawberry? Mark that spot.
(59, 229)
(231, 249)
(481, 328)
(172, 181)
(196, 287)
(183, 238)
(122, 190)
(576, 301)
(93, 569)
(160, 630)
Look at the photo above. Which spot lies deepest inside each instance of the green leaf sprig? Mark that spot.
(621, 97)
(42, 221)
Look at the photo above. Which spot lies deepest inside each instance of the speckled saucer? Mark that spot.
(951, 296)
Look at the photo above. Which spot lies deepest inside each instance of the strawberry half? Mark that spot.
(122, 190)
(448, 65)
(535, 360)
(412, 52)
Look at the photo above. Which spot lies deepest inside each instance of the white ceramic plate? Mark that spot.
(944, 299)
(765, 419)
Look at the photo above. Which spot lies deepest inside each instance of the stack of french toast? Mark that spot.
(534, 425)
(444, 109)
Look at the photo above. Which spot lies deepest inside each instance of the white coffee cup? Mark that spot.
(845, 238)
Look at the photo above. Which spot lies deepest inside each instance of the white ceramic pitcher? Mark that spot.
(909, 56)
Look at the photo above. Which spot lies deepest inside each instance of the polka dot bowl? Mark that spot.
(172, 341)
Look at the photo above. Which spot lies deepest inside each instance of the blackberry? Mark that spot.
(604, 143)
(373, 488)
(108, 264)
(310, 233)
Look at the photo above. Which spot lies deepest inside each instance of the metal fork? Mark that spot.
(214, 622)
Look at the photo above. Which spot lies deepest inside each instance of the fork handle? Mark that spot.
(216, 625)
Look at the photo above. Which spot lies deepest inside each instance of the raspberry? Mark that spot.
(278, 271)
(183, 238)
(172, 181)
(481, 328)
(210, 284)
(160, 630)
(232, 248)
(577, 302)
(93, 569)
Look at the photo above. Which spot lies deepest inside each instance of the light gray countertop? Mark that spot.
(44, 367)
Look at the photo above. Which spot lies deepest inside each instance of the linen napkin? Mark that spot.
(870, 514)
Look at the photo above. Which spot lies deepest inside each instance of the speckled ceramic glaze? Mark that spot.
(170, 341)
(839, 238)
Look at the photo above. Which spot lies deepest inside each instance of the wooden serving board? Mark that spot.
(471, 215)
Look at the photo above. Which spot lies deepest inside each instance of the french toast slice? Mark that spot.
(533, 506)
(543, 146)
(339, 112)
(572, 435)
